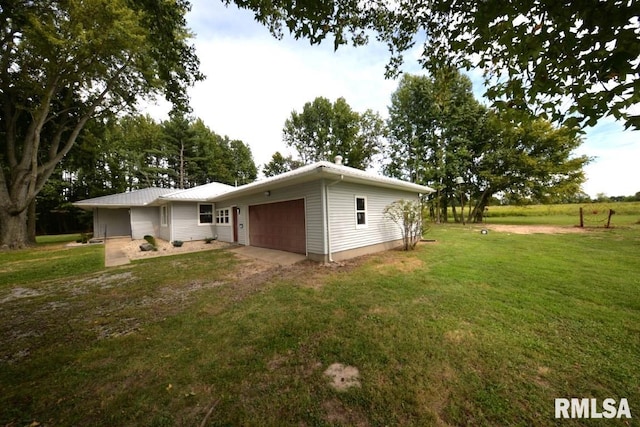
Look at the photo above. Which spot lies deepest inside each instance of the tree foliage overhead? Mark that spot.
(63, 63)
(324, 130)
(535, 53)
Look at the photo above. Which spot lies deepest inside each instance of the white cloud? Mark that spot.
(614, 170)
(254, 82)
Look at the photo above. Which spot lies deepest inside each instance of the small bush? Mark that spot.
(177, 243)
(150, 239)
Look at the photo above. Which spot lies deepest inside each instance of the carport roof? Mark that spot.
(322, 170)
(144, 197)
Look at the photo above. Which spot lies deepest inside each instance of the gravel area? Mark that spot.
(132, 250)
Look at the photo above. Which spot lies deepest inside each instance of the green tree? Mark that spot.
(324, 130)
(439, 134)
(522, 158)
(63, 64)
(180, 148)
(432, 124)
(242, 164)
(280, 164)
(534, 53)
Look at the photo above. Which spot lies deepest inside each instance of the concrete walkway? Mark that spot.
(269, 255)
(113, 253)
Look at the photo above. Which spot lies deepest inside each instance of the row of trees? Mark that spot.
(134, 152)
(65, 64)
(439, 135)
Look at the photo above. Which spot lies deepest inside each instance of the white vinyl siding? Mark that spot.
(345, 232)
(113, 222)
(310, 192)
(184, 223)
(144, 221)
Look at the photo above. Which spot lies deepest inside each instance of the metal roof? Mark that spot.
(216, 191)
(201, 193)
(143, 197)
(327, 170)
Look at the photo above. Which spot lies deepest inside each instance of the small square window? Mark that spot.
(205, 214)
(222, 216)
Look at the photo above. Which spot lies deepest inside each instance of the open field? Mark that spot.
(472, 329)
(595, 214)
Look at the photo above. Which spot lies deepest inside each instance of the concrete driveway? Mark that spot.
(269, 255)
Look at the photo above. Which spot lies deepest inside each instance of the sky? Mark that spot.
(254, 81)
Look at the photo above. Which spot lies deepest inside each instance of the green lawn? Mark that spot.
(470, 330)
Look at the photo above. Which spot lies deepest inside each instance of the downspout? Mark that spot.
(170, 219)
(326, 197)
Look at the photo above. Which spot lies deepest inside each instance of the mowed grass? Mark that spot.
(47, 261)
(470, 330)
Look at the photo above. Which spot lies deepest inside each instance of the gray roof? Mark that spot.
(200, 193)
(326, 170)
(142, 197)
(216, 191)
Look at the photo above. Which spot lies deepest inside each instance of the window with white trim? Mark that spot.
(223, 216)
(205, 213)
(361, 212)
(164, 215)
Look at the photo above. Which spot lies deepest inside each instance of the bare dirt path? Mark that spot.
(533, 229)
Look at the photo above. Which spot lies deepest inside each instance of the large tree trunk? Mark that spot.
(13, 230)
(31, 223)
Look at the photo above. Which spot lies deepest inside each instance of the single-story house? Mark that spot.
(133, 214)
(326, 211)
(161, 212)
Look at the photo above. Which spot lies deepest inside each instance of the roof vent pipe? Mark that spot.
(338, 160)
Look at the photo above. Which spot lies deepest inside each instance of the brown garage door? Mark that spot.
(278, 226)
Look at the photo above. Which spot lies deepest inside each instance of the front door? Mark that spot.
(234, 218)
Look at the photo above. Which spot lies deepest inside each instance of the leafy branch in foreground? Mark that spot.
(576, 62)
(62, 64)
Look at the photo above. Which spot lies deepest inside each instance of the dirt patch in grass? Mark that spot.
(343, 377)
(534, 229)
(18, 293)
(398, 261)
